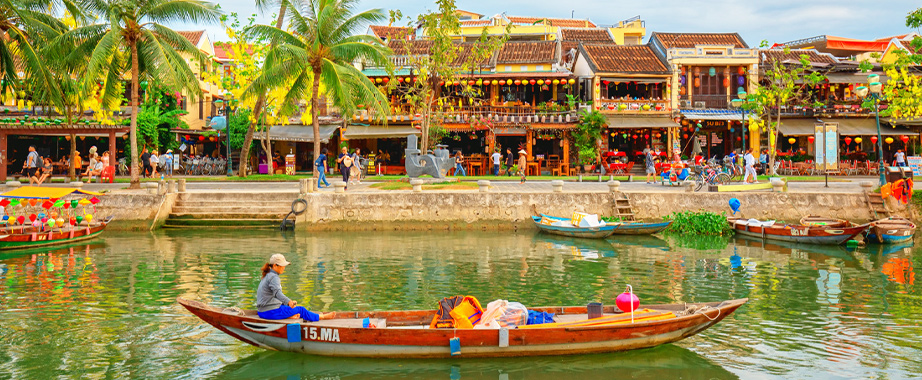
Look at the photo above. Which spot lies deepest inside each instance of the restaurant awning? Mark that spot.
(713, 114)
(847, 127)
(509, 131)
(848, 78)
(356, 132)
(641, 122)
(904, 122)
(635, 80)
(298, 133)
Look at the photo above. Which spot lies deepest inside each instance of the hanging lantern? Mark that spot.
(811, 139)
(400, 79)
(605, 82)
(697, 71)
(201, 138)
(741, 70)
(658, 135)
(682, 91)
(858, 140)
(541, 82)
(685, 135)
(635, 137)
(471, 82)
(556, 82)
(378, 80)
(518, 82)
(792, 140)
(904, 138)
(125, 137)
(874, 139)
(712, 71)
(740, 80)
(726, 82)
(480, 82)
(502, 82)
(848, 140)
(888, 140)
(571, 81)
(739, 138)
(386, 79)
(532, 82)
(611, 106)
(646, 136)
(494, 82)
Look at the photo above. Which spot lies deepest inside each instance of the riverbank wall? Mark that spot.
(429, 210)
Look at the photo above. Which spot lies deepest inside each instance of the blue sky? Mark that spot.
(775, 21)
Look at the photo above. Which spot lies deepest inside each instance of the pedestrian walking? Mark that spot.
(510, 162)
(145, 163)
(750, 162)
(345, 164)
(355, 174)
(154, 163)
(899, 158)
(649, 164)
(523, 161)
(167, 159)
(459, 164)
(496, 157)
(31, 165)
(321, 166)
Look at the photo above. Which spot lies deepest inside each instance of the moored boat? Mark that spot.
(564, 228)
(406, 334)
(891, 230)
(32, 237)
(813, 220)
(40, 216)
(798, 233)
(640, 228)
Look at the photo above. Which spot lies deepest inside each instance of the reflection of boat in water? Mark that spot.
(664, 362)
(785, 247)
(587, 248)
(65, 248)
(406, 333)
(889, 249)
(640, 228)
(646, 241)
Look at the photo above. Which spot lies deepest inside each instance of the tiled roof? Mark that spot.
(908, 46)
(565, 46)
(224, 51)
(476, 22)
(193, 36)
(416, 47)
(466, 50)
(813, 56)
(560, 22)
(689, 40)
(585, 35)
(610, 58)
(528, 52)
(386, 32)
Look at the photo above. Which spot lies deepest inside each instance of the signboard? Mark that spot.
(915, 162)
(182, 148)
(290, 164)
(826, 140)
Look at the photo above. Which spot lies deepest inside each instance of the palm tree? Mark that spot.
(130, 36)
(320, 49)
(21, 23)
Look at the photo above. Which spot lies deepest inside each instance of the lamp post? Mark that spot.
(742, 101)
(230, 162)
(873, 91)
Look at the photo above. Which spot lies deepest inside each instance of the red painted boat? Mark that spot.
(31, 237)
(797, 233)
(406, 334)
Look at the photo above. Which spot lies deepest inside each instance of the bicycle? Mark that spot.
(709, 175)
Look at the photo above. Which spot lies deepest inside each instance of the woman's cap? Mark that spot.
(523, 152)
(278, 259)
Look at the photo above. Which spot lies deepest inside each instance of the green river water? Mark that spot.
(108, 309)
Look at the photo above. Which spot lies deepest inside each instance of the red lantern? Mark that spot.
(386, 79)
(682, 91)
(400, 79)
(518, 82)
(531, 82)
(739, 138)
(811, 139)
(201, 138)
(904, 138)
(635, 137)
(605, 82)
(611, 107)
(874, 139)
(647, 136)
(471, 83)
(685, 136)
(741, 70)
(726, 82)
(188, 137)
(848, 140)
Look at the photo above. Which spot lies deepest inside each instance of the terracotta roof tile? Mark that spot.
(585, 35)
(193, 36)
(386, 32)
(813, 56)
(560, 22)
(416, 47)
(224, 51)
(466, 50)
(476, 22)
(908, 46)
(528, 52)
(689, 40)
(623, 59)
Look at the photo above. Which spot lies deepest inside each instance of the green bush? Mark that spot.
(699, 223)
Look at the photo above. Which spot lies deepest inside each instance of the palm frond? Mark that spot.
(190, 11)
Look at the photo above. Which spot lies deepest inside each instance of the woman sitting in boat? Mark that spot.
(271, 303)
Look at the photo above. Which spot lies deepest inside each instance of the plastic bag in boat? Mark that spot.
(493, 312)
(515, 315)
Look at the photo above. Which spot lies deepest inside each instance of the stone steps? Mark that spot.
(223, 223)
(229, 209)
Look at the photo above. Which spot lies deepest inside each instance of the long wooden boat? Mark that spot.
(581, 232)
(406, 334)
(11, 239)
(797, 233)
(813, 220)
(640, 228)
(891, 230)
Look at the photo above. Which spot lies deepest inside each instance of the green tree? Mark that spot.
(587, 135)
(904, 89)
(319, 50)
(21, 24)
(130, 38)
(782, 84)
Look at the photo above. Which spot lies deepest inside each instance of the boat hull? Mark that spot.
(640, 228)
(891, 231)
(13, 241)
(580, 232)
(800, 233)
(327, 339)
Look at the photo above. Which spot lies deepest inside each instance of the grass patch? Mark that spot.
(400, 185)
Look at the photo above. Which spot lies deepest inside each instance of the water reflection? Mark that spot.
(108, 308)
(666, 362)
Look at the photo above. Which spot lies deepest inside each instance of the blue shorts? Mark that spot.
(285, 312)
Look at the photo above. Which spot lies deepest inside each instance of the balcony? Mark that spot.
(635, 106)
(704, 102)
(513, 114)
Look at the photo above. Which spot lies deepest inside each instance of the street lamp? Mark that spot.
(742, 95)
(874, 92)
(230, 162)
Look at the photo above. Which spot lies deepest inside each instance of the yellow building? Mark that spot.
(200, 110)
(899, 43)
(627, 32)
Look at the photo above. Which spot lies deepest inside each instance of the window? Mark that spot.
(539, 68)
(524, 68)
(508, 68)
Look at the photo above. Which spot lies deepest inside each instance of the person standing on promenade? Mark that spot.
(459, 164)
(510, 162)
(321, 167)
(649, 165)
(750, 162)
(899, 158)
(167, 159)
(763, 161)
(345, 164)
(271, 303)
(522, 163)
(357, 167)
(145, 163)
(154, 163)
(496, 157)
(31, 165)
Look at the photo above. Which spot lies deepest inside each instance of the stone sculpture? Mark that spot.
(436, 164)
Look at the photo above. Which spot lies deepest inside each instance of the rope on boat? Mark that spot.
(232, 310)
(695, 309)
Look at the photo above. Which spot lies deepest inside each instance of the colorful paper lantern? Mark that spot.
(532, 82)
(32, 217)
(47, 204)
(541, 82)
(494, 82)
(33, 202)
(741, 70)
(685, 135)
(201, 138)
(378, 80)
(726, 82)
(858, 140)
(94, 200)
(518, 82)
(811, 139)
(904, 138)
(888, 140)
(848, 140)
(712, 71)
(89, 218)
(556, 82)
(73, 203)
(740, 80)
(73, 221)
(386, 79)
(21, 219)
(697, 82)
(874, 139)
(4, 202)
(571, 81)
(471, 82)
(792, 140)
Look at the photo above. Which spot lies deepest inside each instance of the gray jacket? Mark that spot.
(269, 295)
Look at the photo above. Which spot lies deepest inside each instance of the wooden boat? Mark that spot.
(581, 232)
(797, 233)
(640, 228)
(813, 220)
(891, 230)
(31, 237)
(406, 334)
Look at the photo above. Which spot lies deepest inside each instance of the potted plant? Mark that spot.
(586, 136)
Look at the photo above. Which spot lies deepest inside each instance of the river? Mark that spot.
(108, 309)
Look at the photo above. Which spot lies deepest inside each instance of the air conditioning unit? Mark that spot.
(699, 105)
(685, 104)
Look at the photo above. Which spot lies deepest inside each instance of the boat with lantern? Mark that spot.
(408, 334)
(41, 216)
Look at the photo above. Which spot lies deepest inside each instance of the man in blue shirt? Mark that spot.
(31, 165)
(321, 166)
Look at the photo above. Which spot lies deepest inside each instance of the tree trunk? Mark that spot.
(133, 132)
(245, 149)
(72, 171)
(315, 116)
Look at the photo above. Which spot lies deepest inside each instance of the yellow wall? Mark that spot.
(517, 68)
